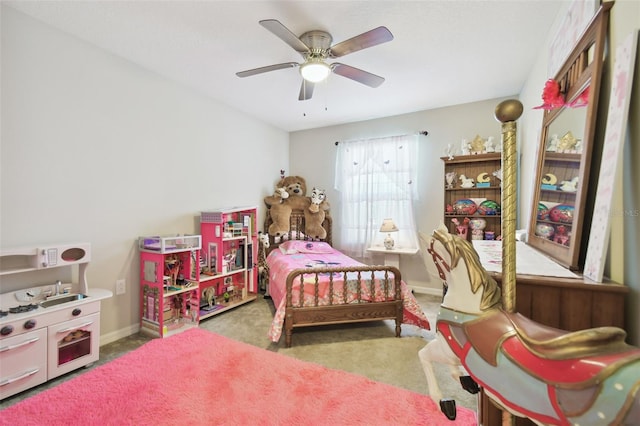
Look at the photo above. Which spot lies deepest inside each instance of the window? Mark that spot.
(376, 179)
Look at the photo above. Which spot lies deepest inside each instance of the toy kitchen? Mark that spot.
(49, 317)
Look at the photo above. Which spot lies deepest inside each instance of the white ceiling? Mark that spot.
(443, 52)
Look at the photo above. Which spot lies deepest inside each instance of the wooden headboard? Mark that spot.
(296, 223)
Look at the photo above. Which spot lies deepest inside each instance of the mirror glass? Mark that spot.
(568, 126)
(559, 181)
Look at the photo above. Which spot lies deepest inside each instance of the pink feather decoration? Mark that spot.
(551, 96)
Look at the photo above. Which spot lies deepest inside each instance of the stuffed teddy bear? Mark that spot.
(315, 215)
(278, 212)
(280, 205)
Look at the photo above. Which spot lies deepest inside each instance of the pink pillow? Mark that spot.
(293, 247)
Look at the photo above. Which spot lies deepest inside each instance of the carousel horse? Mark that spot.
(551, 376)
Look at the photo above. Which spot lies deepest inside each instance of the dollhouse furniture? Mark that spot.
(311, 283)
(229, 251)
(169, 284)
(181, 276)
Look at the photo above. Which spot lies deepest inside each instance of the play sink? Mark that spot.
(58, 300)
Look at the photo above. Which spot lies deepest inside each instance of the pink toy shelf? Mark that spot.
(229, 249)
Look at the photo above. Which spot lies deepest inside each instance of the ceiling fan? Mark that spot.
(315, 47)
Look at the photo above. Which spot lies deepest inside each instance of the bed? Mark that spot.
(311, 283)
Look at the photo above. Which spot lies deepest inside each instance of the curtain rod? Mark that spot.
(422, 132)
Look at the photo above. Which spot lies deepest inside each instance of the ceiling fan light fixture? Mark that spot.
(315, 71)
(316, 46)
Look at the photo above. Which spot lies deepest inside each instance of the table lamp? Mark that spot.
(388, 226)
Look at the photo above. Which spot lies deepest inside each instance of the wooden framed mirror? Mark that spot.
(557, 225)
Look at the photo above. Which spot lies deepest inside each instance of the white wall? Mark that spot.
(313, 157)
(97, 149)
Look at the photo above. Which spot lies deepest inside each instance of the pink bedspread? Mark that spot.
(281, 264)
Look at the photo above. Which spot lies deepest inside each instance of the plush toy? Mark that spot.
(315, 215)
(263, 269)
(296, 186)
(280, 206)
(279, 213)
(318, 196)
(281, 193)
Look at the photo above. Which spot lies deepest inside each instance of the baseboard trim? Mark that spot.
(105, 339)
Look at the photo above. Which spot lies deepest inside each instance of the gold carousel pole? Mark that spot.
(507, 112)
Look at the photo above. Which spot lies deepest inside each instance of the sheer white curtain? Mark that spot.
(376, 179)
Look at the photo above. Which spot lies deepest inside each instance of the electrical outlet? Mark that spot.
(121, 286)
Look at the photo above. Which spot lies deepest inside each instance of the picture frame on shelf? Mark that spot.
(250, 256)
(239, 261)
(149, 270)
(194, 266)
(213, 258)
(204, 263)
(229, 288)
(247, 225)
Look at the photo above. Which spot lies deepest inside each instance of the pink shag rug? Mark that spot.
(198, 377)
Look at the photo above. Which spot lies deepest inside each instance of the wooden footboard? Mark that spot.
(341, 311)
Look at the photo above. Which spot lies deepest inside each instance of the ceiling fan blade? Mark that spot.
(268, 68)
(370, 38)
(306, 90)
(284, 34)
(357, 74)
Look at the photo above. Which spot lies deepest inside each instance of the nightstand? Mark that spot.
(392, 257)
